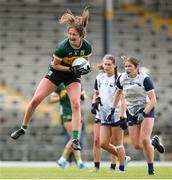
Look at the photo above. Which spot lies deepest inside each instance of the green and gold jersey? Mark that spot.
(66, 110)
(68, 54)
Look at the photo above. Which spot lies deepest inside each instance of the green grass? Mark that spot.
(75, 173)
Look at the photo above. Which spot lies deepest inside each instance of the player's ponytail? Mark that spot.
(67, 18)
(77, 22)
(85, 16)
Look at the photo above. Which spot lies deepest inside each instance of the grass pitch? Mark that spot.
(75, 173)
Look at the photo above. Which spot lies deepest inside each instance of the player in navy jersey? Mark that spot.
(140, 97)
(62, 71)
(109, 134)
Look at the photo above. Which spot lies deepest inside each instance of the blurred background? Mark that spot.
(29, 31)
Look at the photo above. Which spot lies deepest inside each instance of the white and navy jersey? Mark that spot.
(97, 115)
(135, 90)
(106, 87)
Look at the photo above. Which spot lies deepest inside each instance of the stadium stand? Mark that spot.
(28, 34)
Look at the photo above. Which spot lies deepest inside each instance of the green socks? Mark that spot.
(75, 134)
(24, 127)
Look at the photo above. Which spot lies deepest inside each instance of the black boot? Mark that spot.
(76, 144)
(18, 133)
(157, 144)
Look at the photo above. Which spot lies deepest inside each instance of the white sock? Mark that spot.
(79, 161)
(62, 158)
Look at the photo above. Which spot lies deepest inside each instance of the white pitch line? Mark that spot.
(89, 164)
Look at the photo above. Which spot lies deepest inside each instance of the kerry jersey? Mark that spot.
(68, 54)
(65, 107)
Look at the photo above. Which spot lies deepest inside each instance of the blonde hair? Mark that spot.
(79, 23)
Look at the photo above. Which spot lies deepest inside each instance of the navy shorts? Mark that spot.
(132, 120)
(112, 124)
(97, 121)
(57, 77)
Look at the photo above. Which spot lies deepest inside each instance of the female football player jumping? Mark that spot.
(66, 52)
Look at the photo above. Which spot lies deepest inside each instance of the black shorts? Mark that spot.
(57, 77)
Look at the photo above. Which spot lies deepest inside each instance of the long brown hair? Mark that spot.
(133, 60)
(112, 58)
(77, 22)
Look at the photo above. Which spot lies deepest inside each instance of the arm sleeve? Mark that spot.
(118, 84)
(89, 51)
(88, 48)
(148, 84)
(59, 52)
